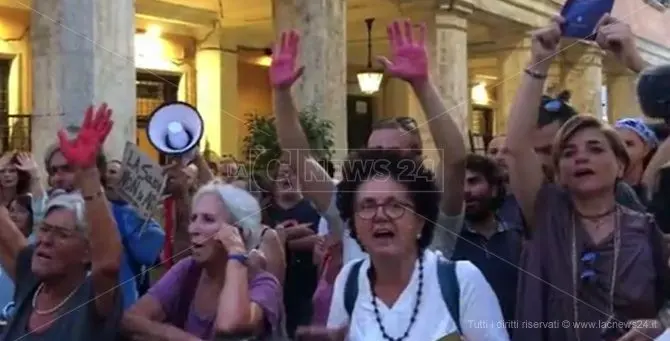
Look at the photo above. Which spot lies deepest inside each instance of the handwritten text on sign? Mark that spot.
(141, 180)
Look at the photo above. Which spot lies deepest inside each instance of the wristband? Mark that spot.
(239, 257)
(94, 196)
(535, 75)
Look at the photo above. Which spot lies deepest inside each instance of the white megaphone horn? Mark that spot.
(175, 129)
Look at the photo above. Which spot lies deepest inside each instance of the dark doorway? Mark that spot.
(482, 123)
(359, 120)
(152, 91)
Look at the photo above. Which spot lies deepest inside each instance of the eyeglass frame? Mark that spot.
(385, 207)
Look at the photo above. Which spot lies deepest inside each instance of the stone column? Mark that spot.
(217, 100)
(622, 96)
(446, 40)
(82, 54)
(583, 77)
(322, 88)
(513, 59)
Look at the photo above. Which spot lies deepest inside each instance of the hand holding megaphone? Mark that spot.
(175, 129)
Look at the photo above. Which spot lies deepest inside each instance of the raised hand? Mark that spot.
(229, 236)
(546, 41)
(283, 70)
(616, 36)
(409, 58)
(26, 163)
(82, 151)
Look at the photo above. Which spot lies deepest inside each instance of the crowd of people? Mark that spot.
(552, 235)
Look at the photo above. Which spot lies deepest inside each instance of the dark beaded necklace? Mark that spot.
(415, 312)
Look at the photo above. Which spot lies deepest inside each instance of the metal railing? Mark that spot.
(16, 133)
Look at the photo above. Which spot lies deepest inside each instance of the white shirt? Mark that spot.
(332, 222)
(664, 337)
(481, 318)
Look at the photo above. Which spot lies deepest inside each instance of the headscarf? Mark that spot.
(640, 128)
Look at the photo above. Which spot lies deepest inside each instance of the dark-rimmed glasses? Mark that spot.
(393, 209)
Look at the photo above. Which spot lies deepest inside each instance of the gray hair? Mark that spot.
(243, 207)
(73, 202)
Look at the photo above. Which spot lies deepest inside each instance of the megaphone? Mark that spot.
(653, 92)
(175, 128)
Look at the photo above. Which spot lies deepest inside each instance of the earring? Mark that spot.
(418, 236)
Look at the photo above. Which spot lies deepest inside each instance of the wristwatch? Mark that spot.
(240, 257)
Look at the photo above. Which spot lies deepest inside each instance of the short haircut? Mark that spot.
(73, 202)
(409, 171)
(491, 172)
(581, 122)
(243, 207)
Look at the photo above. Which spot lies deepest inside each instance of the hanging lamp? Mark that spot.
(369, 80)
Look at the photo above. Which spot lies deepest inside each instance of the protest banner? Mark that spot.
(142, 180)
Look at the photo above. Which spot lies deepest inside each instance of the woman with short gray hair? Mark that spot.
(225, 225)
(66, 284)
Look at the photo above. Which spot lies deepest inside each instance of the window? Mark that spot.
(152, 91)
(15, 132)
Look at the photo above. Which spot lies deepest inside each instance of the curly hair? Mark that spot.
(409, 171)
(491, 172)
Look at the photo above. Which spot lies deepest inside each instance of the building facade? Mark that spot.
(59, 56)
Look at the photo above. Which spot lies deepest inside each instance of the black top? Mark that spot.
(77, 319)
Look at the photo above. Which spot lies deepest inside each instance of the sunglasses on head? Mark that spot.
(588, 259)
(553, 105)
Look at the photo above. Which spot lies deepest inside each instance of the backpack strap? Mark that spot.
(351, 287)
(451, 292)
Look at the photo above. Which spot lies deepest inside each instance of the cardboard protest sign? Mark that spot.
(142, 180)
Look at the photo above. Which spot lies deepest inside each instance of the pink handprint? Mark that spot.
(409, 59)
(283, 71)
(82, 151)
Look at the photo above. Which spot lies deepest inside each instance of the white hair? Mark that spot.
(73, 202)
(243, 207)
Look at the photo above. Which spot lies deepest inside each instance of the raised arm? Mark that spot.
(525, 170)
(316, 184)
(205, 174)
(12, 242)
(27, 164)
(103, 235)
(409, 62)
(254, 312)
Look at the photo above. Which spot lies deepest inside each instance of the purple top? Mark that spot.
(176, 289)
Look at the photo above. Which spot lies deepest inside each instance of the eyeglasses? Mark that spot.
(392, 209)
(588, 260)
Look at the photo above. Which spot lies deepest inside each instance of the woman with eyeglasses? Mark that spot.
(590, 260)
(409, 62)
(67, 283)
(402, 291)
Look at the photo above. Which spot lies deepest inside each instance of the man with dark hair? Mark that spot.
(487, 240)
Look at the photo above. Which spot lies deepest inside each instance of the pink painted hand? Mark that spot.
(409, 59)
(283, 70)
(81, 152)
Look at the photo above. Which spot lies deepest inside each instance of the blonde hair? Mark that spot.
(580, 122)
